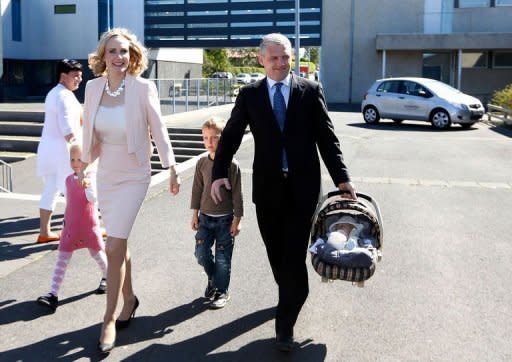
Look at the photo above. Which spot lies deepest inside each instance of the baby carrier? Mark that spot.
(346, 237)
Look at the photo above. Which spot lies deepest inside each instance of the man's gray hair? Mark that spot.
(274, 38)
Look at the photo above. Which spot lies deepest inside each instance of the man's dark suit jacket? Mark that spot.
(307, 127)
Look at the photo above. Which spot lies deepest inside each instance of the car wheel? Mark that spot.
(467, 125)
(440, 119)
(371, 115)
(398, 120)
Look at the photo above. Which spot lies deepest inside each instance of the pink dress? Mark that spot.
(81, 221)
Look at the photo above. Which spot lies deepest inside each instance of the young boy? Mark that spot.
(215, 223)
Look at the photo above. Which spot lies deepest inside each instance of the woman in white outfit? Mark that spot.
(61, 128)
(121, 116)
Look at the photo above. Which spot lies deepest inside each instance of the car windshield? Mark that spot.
(440, 88)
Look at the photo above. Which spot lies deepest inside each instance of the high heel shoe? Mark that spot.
(122, 324)
(106, 347)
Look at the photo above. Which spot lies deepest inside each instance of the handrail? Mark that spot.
(182, 95)
(499, 112)
(5, 177)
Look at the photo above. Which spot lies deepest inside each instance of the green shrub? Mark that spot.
(238, 70)
(503, 97)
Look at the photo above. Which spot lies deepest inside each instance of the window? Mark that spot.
(503, 2)
(206, 1)
(474, 60)
(251, 12)
(474, 4)
(389, 87)
(65, 9)
(292, 23)
(164, 2)
(165, 26)
(207, 12)
(207, 25)
(16, 20)
(252, 25)
(503, 59)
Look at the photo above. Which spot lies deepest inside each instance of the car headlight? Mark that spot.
(462, 106)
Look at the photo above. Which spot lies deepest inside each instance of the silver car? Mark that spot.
(420, 99)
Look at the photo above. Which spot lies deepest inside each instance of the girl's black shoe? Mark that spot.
(49, 300)
(122, 324)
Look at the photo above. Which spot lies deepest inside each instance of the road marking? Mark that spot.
(418, 182)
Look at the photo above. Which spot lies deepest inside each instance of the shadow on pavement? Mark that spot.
(503, 130)
(405, 126)
(200, 348)
(19, 225)
(30, 310)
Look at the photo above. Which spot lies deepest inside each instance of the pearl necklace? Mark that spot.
(118, 91)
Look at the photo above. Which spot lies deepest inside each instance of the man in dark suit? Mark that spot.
(289, 122)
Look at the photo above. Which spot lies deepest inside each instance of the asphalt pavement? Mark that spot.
(431, 298)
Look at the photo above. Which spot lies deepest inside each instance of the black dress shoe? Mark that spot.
(284, 343)
(122, 324)
(106, 347)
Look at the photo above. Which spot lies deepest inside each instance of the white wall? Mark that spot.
(46, 35)
(129, 14)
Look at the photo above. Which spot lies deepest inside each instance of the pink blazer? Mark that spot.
(143, 120)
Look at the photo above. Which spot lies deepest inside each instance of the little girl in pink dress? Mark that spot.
(81, 230)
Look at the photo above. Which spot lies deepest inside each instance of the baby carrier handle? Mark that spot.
(345, 192)
(363, 196)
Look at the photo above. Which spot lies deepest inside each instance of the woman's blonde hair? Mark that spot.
(138, 58)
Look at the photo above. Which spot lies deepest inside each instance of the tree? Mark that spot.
(215, 60)
(314, 55)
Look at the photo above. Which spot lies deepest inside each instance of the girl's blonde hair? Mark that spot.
(138, 57)
(216, 123)
(75, 147)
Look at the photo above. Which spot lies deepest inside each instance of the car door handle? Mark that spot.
(378, 95)
(401, 97)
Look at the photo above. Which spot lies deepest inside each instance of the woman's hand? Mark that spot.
(174, 182)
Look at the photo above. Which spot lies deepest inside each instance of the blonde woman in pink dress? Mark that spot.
(121, 115)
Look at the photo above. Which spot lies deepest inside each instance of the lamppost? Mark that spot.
(297, 37)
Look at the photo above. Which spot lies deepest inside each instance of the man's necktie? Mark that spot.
(280, 113)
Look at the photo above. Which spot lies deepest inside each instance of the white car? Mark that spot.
(256, 76)
(420, 99)
(243, 78)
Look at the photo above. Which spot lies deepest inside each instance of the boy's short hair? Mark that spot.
(66, 66)
(216, 123)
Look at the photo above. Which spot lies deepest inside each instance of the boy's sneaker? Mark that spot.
(102, 288)
(49, 300)
(209, 292)
(219, 300)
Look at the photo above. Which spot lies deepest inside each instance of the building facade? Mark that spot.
(37, 33)
(465, 43)
(228, 23)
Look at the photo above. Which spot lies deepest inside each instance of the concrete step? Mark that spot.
(20, 128)
(173, 130)
(186, 137)
(11, 157)
(186, 144)
(19, 143)
(21, 116)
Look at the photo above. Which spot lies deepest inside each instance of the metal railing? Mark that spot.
(500, 113)
(183, 95)
(5, 177)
